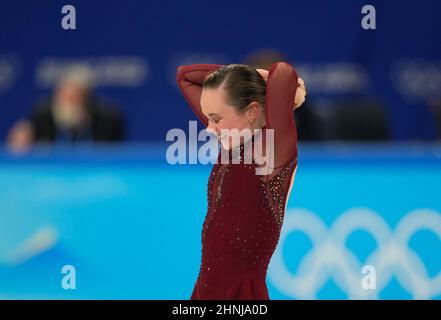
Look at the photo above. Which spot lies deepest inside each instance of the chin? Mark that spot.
(225, 144)
(230, 145)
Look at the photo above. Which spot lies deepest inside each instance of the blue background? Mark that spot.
(129, 222)
(165, 34)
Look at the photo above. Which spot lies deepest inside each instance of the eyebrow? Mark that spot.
(213, 114)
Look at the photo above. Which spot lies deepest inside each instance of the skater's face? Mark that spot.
(222, 115)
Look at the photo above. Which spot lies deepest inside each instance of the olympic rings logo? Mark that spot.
(330, 258)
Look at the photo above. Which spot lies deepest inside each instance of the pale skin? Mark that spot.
(221, 115)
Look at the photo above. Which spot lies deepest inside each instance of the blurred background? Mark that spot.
(84, 114)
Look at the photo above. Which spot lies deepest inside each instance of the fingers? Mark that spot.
(264, 73)
(301, 85)
(300, 93)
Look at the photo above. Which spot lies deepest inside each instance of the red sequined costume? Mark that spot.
(245, 210)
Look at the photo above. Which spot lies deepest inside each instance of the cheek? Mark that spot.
(241, 123)
(224, 124)
(235, 123)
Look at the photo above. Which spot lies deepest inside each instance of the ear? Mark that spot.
(253, 111)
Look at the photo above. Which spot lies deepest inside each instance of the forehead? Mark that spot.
(214, 101)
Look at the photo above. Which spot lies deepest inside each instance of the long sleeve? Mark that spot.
(190, 80)
(280, 94)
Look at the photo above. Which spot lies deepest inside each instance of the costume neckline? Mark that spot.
(241, 147)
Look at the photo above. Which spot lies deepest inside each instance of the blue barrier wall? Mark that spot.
(130, 224)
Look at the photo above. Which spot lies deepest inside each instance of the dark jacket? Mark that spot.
(105, 125)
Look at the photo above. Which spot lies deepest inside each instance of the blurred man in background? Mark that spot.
(71, 115)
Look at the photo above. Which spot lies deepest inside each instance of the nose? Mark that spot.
(212, 129)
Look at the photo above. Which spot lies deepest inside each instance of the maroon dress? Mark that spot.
(245, 210)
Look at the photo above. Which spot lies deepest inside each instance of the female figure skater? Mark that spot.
(245, 210)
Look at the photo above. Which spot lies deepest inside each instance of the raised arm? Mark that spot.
(190, 80)
(281, 90)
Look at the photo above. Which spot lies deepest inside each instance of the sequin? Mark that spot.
(240, 199)
(244, 218)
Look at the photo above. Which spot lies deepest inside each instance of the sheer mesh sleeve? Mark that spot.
(279, 104)
(280, 95)
(190, 80)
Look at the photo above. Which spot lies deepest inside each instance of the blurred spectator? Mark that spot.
(72, 114)
(307, 122)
